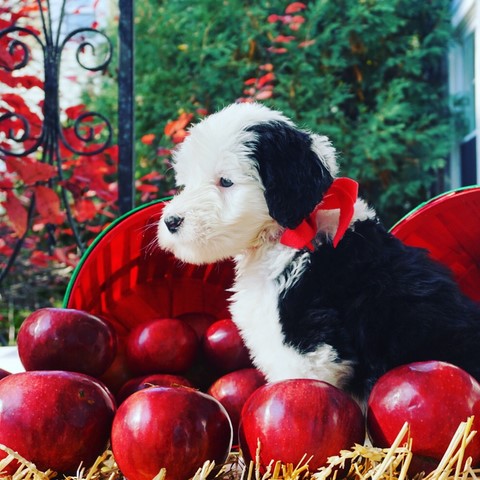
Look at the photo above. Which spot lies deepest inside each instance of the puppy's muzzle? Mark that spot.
(173, 223)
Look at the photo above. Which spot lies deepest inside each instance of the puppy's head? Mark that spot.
(245, 173)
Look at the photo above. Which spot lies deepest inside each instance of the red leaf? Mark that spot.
(112, 152)
(179, 136)
(40, 259)
(306, 43)
(6, 182)
(5, 249)
(148, 138)
(179, 124)
(162, 151)
(94, 228)
(295, 7)
(66, 255)
(267, 67)
(74, 111)
(297, 21)
(5, 77)
(85, 210)
(250, 81)
(27, 81)
(48, 205)
(15, 101)
(73, 141)
(274, 18)
(145, 187)
(16, 213)
(30, 170)
(277, 50)
(149, 177)
(263, 95)
(263, 80)
(27, 9)
(18, 106)
(284, 38)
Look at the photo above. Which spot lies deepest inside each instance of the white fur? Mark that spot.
(233, 222)
(255, 311)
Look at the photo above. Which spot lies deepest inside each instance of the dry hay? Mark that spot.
(366, 463)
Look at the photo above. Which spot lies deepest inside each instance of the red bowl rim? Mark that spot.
(420, 209)
(99, 238)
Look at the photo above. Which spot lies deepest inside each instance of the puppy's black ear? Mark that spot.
(295, 179)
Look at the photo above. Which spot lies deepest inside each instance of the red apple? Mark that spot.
(146, 381)
(165, 345)
(232, 391)
(55, 419)
(173, 428)
(199, 321)
(294, 417)
(66, 339)
(224, 348)
(3, 373)
(434, 398)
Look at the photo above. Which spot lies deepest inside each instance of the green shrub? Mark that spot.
(370, 74)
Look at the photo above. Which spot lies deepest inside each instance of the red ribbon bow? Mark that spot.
(342, 195)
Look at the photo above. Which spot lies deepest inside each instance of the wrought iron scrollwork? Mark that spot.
(47, 142)
(88, 43)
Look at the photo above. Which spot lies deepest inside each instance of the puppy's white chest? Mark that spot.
(255, 310)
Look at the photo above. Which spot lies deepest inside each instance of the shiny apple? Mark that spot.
(55, 419)
(4, 373)
(295, 417)
(173, 428)
(232, 391)
(434, 398)
(166, 345)
(66, 339)
(224, 348)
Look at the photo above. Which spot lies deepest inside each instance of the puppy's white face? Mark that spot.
(221, 208)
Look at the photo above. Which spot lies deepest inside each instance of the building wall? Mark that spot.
(464, 68)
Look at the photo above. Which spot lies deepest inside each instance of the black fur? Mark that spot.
(380, 304)
(287, 164)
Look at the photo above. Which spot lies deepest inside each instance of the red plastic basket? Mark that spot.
(448, 226)
(126, 278)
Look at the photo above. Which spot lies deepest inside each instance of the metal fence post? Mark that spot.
(126, 98)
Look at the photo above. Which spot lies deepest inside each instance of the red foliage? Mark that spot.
(148, 138)
(16, 212)
(262, 87)
(90, 180)
(176, 129)
(30, 170)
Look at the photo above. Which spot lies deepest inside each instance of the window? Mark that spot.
(464, 159)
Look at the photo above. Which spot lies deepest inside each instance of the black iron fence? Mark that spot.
(51, 40)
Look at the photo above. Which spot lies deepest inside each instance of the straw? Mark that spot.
(364, 463)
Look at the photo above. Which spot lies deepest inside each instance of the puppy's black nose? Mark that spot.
(173, 223)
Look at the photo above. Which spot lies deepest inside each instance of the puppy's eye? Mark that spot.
(225, 182)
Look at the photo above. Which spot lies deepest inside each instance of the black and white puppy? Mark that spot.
(322, 290)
